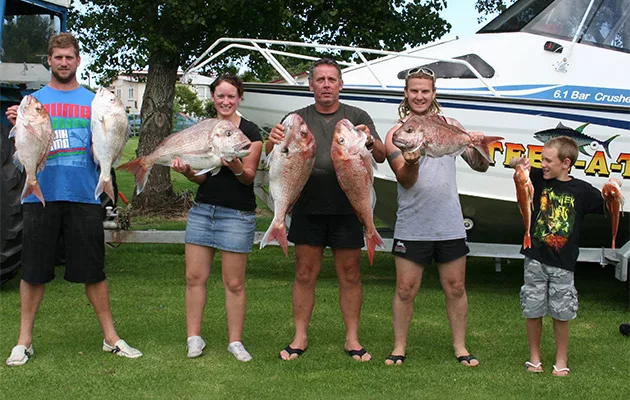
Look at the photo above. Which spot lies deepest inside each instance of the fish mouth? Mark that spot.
(242, 149)
(402, 144)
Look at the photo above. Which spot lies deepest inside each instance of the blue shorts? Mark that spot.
(221, 228)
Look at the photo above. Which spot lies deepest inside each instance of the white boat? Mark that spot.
(537, 65)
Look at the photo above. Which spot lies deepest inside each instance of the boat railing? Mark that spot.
(262, 46)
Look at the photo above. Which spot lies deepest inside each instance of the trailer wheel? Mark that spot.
(468, 224)
(12, 181)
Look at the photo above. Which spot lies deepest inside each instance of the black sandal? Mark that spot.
(395, 359)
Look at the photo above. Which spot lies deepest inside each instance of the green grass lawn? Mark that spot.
(147, 296)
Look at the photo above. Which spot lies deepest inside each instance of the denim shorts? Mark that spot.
(548, 290)
(221, 228)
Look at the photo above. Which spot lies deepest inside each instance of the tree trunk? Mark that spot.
(157, 123)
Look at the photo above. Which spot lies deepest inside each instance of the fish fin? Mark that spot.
(607, 143)
(562, 126)
(581, 127)
(373, 239)
(12, 132)
(373, 198)
(483, 146)
(140, 169)
(270, 157)
(17, 162)
(204, 171)
(30, 188)
(527, 241)
(277, 231)
(105, 185)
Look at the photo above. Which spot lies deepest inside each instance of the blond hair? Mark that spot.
(566, 147)
(404, 109)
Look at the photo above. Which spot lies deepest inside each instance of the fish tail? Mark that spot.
(277, 231)
(141, 169)
(32, 187)
(373, 239)
(105, 185)
(483, 147)
(527, 241)
(607, 143)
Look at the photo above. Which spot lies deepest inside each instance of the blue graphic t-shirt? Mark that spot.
(70, 173)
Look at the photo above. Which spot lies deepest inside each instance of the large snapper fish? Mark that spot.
(525, 200)
(109, 135)
(202, 146)
(290, 165)
(353, 165)
(435, 138)
(34, 136)
(614, 201)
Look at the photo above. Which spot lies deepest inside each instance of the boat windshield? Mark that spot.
(607, 23)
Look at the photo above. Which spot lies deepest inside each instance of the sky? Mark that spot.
(461, 14)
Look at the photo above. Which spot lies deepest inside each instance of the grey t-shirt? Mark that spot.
(322, 194)
(430, 209)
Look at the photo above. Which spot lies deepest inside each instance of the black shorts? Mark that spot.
(422, 252)
(335, 231)
(80, 225)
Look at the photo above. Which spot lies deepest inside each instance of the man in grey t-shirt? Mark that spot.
(322, 215)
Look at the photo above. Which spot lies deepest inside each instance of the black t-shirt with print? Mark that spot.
(559, 209)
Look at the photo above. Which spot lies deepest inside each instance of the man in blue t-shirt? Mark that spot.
(67, 183)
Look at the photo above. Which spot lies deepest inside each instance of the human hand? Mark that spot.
(235, 165)
(615, 180)
(277, 134)
(11, 114)
(412, 157)
(522, 160)
(179, 166)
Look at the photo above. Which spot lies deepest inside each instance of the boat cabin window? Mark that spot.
(607, 23)
(445, 69)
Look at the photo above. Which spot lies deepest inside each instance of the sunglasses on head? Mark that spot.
(421, 70)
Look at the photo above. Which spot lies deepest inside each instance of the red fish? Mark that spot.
(436, 138)
(290, 165)
(611, 192)
(353, 165)
(525, 199)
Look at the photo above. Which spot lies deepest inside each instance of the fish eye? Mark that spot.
(409, 129)
(594, 145)
(341, 140)
(228, 133)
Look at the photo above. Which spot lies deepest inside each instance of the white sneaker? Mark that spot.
(239, 351)
(20, 355)
(122, 349)
(195, 346)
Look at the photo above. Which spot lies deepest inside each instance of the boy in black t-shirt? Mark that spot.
(560, 204)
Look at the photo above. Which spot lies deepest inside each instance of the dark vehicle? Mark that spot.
(182, 121)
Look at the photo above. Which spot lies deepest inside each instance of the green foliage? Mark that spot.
(188, 101)
(25, 39)
(487, 7)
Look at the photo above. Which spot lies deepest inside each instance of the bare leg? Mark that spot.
(235, 297)
(31, 296)
(347, 265)
(307, 266)
(561, 332)
(453, 277)
(198, 264)
(408, 280)
(534, 331)
(98, 293)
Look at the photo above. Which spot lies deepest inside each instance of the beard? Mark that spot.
(62, 79)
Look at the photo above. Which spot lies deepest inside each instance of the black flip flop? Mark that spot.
(468, 358)
(291, 351)
(395, 359)
(359, 353)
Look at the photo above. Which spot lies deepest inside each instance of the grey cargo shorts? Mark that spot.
(548, 290)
